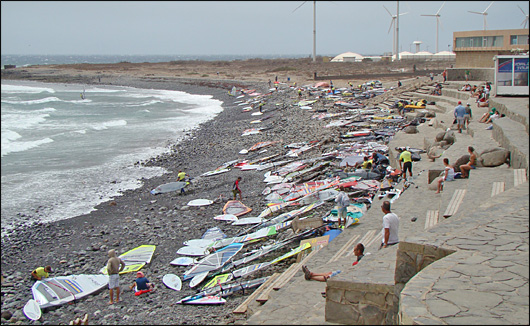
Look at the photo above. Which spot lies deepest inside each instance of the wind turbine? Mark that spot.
(437, 15)
(526, 19)
(484, 14)
(314, 28)
(393, 22)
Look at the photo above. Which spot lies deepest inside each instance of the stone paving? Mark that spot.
(485, 279)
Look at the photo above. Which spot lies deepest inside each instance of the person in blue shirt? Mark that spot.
(459, 113)
(141, 284)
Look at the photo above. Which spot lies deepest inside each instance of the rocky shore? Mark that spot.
(79, 245)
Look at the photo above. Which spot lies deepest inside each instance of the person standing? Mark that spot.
(405, 163)
(343, 201)
(468, 115)
(41, 272)
(459, 113)
(399, 83)
(444, 75)
(114, 266)
(431, 75)
(236, 190)
(389, 233)
(467, 72)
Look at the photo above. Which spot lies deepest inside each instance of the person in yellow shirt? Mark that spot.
(367, 164)
(405, 163)
(41, 272)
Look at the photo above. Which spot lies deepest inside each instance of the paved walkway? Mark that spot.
(485, 280)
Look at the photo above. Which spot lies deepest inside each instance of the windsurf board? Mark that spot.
(226, 217)
(204, 243)
(168, 187)
(248, 220)
(214, 172)
(219, 279)
(55, 291)
(243, 151)
(197, 279)
(206, 300)
(32, 310)
(172, 281)
(192, 251)
(256, 113)
(183, 261)
(200, 202)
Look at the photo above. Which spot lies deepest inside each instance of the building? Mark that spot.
(477, 49)
(348, 57)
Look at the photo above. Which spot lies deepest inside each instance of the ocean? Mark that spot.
(26, 60)
(62, 155)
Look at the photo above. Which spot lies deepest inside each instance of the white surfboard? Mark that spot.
(192, 251)
(255, 121)
(200, 202)
(172, 281)
(249, 220)
(206, 300)
(257, 113)
(243, 151)
(32, 310)
(183, 261)
(197, 279)
(226, 217)
(199, 242)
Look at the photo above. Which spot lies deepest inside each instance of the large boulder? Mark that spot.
(493, 157)
(411, 130)
(460, 161)
(449, 137)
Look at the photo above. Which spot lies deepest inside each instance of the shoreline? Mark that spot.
(79, 245)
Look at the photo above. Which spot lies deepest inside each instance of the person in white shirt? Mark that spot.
(343, 201)
(448, 176)
(390, 229)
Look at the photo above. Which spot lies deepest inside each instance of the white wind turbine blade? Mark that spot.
(429, 15)
(489, 6)
(299, 6)
(474, 12)
(526, 17)
(390, 13)
(404, 13)
(391, 23)
(443, 4)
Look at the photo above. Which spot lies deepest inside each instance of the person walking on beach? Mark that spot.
(389, 233)
(431, 76)
(468, 115)
(459, 113)
(114, 266)
(181, 177)
(41, 272)
(467, 72)
(444, 75)
(405, 163)
(236, 190)
(343, 201)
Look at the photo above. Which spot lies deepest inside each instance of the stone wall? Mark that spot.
(475, 74)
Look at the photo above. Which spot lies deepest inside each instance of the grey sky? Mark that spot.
(248, 27)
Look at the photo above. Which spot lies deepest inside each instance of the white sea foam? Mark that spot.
(20, 146)
(32, 102)
(20, 121)
(109, 124)
(8, 89)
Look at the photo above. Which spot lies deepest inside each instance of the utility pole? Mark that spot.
(397, 32)
(314, 31)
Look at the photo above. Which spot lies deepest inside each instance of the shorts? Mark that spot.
(473, 167)
(407, 166)
(460, 120)
(114, 281)
(342, 212)
(235, 192)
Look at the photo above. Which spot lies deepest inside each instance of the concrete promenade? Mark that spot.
(470, 267)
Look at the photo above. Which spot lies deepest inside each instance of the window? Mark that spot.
(518, 39)
(493, 41)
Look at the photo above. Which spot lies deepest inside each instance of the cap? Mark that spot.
(468, 104)
(140, 274)
(459, 102)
